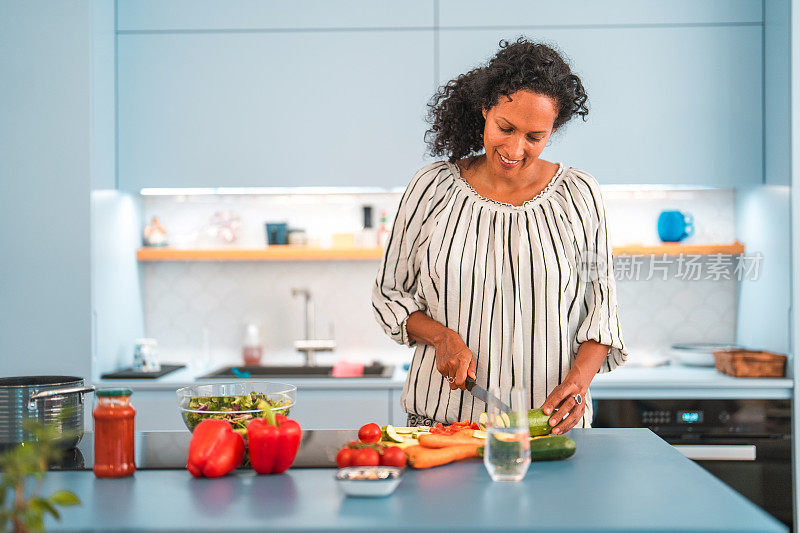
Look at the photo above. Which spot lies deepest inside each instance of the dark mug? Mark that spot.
(674, 226)
(276, 233)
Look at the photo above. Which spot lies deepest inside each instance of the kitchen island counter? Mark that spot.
(619, 479)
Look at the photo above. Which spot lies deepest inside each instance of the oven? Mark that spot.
(744, 443)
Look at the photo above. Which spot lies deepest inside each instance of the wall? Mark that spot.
(763, 216)
(116, 293)
(795, 240)
(45, 171)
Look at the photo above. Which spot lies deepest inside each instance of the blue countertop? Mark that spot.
(619, 480)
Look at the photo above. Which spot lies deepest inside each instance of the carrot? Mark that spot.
(422, 457)
(437, 440)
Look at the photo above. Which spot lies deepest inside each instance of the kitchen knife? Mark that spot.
(483, 395)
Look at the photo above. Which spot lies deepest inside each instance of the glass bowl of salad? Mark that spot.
(238, 403)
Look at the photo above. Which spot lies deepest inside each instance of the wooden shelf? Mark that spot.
(305, 253)
(735, 248)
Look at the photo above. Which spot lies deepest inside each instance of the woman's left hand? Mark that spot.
(568, 412)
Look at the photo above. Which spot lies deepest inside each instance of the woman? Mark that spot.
(498, 266)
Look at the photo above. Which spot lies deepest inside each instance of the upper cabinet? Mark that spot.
(261, 15)
(676, 101)
(216, 106)
(777, 93)
(319, 93)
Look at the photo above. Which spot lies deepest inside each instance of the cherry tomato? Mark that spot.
(393, 456)
(366, 457)
(344, 457)
(370, 433)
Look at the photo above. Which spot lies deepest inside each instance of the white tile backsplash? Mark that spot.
(633, 215)
(198, 310)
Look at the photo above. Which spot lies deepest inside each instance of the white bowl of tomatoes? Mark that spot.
(369, 481)
(367, 467)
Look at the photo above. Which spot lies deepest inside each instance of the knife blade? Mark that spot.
(483, 395)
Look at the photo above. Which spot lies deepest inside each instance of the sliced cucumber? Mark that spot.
(391, 435)
(502, 420)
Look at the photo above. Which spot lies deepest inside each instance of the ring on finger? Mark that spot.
(578, 398)
(451, 379)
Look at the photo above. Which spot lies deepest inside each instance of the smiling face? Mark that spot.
(517, 131)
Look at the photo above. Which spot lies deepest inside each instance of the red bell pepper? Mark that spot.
(273, 443)
(215, 449)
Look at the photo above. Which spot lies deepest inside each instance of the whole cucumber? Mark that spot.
(552, 448)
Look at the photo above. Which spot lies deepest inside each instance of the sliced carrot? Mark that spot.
(422, 457)
(437, 440)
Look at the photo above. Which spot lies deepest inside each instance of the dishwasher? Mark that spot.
(744, 443)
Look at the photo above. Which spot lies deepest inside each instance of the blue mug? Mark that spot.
(674, 226)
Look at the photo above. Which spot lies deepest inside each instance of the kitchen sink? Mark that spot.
(255, 372)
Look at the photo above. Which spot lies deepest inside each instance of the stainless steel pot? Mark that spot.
(56, 400)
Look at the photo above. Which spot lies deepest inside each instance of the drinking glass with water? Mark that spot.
(507, 454)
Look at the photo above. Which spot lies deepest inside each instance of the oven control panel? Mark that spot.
(697, 417)
(662, 417)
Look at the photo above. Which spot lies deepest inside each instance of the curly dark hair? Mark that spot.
(455, 112)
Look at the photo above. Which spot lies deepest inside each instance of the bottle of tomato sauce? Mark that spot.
(113, 433)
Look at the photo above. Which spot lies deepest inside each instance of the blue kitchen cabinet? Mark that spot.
(205, 15)
(156, 410)
(341, 408)
(518, 13)
(668, 104)
(272, 108)
(777, 93)
(322, 408)
(45, 181)
(398, 415)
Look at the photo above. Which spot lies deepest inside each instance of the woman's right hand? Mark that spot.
(454, 359)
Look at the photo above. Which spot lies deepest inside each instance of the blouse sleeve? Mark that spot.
(394, 295)
(602, 322)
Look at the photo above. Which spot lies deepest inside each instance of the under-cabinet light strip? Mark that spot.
(198, 191)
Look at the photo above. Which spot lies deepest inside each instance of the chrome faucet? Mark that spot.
(309, 345)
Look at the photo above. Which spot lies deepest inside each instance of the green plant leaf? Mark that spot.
(44, 506)
(64, 497)
(33, 520)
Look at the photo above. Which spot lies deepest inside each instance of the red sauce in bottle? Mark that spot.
(113, 433)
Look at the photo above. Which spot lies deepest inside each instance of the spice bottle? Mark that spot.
(251, 347)
(113, 433)
(383, 231)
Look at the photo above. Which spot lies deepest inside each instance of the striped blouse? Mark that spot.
(523, 286)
